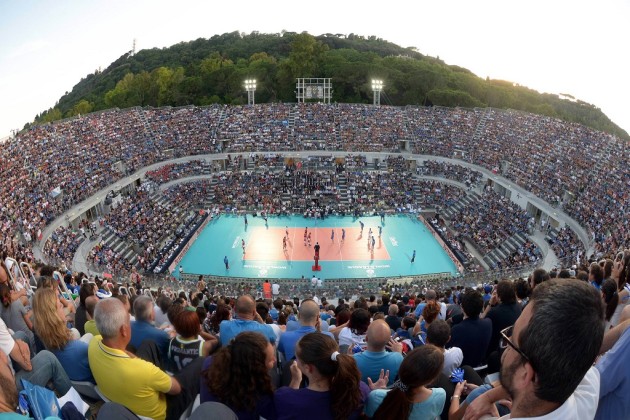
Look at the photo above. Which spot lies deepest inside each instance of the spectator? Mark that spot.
(611, 300)
(80, 317)
(16, 316)
(238, 376)
(502, 311)
(188, 345)
(356, 329)
(543, 375)
(392, 319)
(42, 369)
(143, 329)
(309, 322)
(334, 391)
(222, 313)
(247, 319)
(90, 325)
(50, 325)
(410, 398)
(473, 334)
(613, 372)
(438, 334)
(375, 359)
(131, 381)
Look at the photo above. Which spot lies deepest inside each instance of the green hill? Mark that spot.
(212, 70)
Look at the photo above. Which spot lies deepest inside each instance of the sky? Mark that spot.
(576, 47)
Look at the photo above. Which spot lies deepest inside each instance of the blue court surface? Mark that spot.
(354, 257)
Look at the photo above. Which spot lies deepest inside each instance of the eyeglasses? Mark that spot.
(505, 341)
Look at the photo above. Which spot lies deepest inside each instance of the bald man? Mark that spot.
(245, 319)
(374, 358)
(309, 322)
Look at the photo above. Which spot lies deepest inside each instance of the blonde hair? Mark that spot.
(50, 328)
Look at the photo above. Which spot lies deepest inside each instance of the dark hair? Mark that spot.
(560, 367)
(409, 322)
(345, 394)
(222, 313)
(5, 295)
(538, 276)
(359, 321)
(164, 303)
(173, 311)
(186, 323)
(238, 375)
(597, 272)
(85, 291)
(438, 333)
(611, 297)
(472, 303)
(420, 367)
(342, 317)
(263, 310)
(522, 289)
(505, 291)
(608, 266)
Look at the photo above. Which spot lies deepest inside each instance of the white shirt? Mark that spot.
(275, 289)
(347, 337)
(582, 404)
(453, 358)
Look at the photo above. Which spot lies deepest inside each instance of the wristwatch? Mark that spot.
(454, 396)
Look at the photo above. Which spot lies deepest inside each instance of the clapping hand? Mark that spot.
(383, 380)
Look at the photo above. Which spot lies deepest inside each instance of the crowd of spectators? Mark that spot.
(490, 221)
(63, 243)
(409, 343)
(531, 150)
(459, 173)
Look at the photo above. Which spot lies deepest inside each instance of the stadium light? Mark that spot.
(377, 87)
(250, 87)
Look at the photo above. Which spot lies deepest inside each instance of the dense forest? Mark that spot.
(207, 71)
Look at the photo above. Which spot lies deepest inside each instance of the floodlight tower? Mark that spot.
(250, 87)
(377, 87)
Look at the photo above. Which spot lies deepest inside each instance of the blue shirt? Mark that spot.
(370, 364)
(429, 409)
(289, 339)
(74, 360)
(141, 330)
(614, 386)
(230, 329)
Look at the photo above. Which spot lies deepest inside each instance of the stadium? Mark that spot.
(498, 193)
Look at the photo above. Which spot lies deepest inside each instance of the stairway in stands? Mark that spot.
(118, 245)
(478, 134)
(150, 135)
(505, 249)
(294, 113)
(468, 200)
(342, 188)
(209, 201)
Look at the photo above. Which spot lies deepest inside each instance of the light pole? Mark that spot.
(250, 87)
(377, 87)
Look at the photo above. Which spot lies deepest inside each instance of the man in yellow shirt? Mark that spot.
(124, 378)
